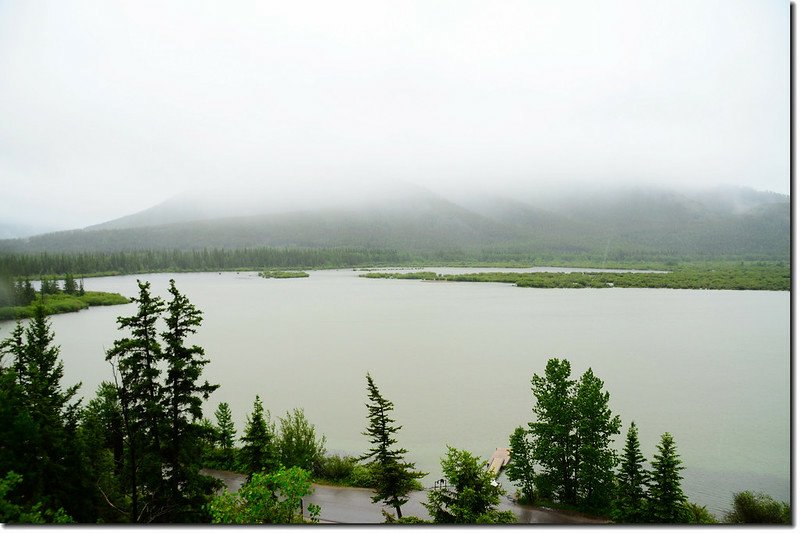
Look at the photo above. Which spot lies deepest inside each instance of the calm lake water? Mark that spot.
(710, 367)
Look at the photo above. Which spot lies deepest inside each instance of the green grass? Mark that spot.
(739, 276)
(281, 274)
(63, 303)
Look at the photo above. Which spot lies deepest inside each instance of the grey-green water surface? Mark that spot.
(710, 367)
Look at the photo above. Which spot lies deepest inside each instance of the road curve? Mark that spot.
(350, 505)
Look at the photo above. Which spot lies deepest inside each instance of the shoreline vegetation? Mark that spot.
(724, 277)
(282, 274)
(97, 264)
(54, 304)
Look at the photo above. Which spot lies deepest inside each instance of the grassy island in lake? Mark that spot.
(280, 274)
(63, 303)
(760, 276)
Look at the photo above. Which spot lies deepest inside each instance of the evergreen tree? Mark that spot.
(258, 454)
(182, 397)
(394, 478)
(69, 284)
(136, 359)
(81, 292)
(225, 431)
(102, 429)
(595, 427)
(631, 498)
(469, 494)
(29, 293)
(520, 468)
(52, 458)
(553, 432)
(667, 503)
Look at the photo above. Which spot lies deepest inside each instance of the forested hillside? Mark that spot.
(626, 225)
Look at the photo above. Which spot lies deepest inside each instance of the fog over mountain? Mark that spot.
(107, 108)
(616, 222)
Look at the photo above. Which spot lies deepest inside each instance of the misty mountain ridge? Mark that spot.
(621, 223)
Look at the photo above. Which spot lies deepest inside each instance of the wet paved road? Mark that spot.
(350, 505)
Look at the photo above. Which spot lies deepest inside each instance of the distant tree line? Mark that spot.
(207, 260)
(19, 264)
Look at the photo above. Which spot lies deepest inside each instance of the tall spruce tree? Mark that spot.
(51, 454)
(595, 427)
(182, 398)
(225, 430)
(259, 453)
(135, 359)
(631, 496)
(666, 501)
(394, 477)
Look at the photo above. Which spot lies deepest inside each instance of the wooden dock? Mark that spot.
(498, 460)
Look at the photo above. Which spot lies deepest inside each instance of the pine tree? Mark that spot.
(632, 479)
(595, 427)
(667, 503)
(394, 478)
(259, 453)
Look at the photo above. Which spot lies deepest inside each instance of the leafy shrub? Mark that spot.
(758, 508)
(347, 471)
(699, 514)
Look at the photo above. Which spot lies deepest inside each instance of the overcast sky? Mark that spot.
(109, 107)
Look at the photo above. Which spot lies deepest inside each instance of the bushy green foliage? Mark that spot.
(297, 442)
(698, 514)
(347, 471)
(469, 494)
(267, 498)
(11, 512)
(103, 432)
(758, 508)
(520, 468)
(571, 438)
(62, 303)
